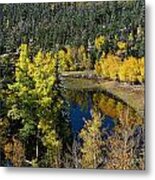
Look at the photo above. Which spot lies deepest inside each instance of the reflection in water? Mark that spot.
(80, 107)
(78, 117)
(121, 127)
(114, 111)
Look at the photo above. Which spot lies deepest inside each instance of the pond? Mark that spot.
(122, 128)
(112, 110)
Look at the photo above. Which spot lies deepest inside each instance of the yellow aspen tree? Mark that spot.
(99, 41)
(92, 142)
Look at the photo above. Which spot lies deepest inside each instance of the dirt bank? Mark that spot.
(133, 95)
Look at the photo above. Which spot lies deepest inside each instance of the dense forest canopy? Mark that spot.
(48, 25)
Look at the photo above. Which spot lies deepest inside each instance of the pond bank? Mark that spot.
(133, 95)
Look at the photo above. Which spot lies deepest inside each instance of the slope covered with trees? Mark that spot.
(48, 25)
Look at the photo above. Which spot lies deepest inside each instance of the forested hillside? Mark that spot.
(48, 26)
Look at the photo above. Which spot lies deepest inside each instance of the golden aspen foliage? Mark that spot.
(35, 79)
(108, 105)
(122, 74)
(122, 45)
(98, 69)
(22, 63)
(65, 59)
(98, 64)
(99, 42)
(131, 69)
(108, 66)
(42, 70)
(83, 58)
(73, 58)
(92, 142)
(141, 64)
(119, 108)
(105, 104)
(113, 66)
(54, 146)
(70, 58)
(44, 77)
(50, 141)
(116, 109)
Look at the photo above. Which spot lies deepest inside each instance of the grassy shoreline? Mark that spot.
(133, 95)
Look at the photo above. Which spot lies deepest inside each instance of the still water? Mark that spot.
(112, 110)
(122, 128)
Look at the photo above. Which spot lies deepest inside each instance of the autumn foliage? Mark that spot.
(92, 142)
(130, 69)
